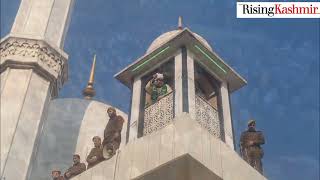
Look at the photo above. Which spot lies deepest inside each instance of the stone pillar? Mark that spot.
(226, 115)
(33, 69)
(135, 109)
(191, 86)
(178, 101)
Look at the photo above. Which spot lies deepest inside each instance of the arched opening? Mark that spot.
(208, 101)
(157, 99)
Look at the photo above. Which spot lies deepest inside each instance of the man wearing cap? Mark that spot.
(250, 149)
(76, 168)
(112, 133)
(95, 156)
(156, 89)
(56, 175)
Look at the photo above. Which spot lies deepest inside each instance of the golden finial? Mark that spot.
(91, 79)
(180, 23)
(89, 91)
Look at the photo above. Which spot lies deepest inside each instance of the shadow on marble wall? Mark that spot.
(59, 136)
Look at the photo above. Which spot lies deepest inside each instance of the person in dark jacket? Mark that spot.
(76, 168)
(250, 146)
(95, 156)
(112, 133)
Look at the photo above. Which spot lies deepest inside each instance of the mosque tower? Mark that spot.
(33, 69)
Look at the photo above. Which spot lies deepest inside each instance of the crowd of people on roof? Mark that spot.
(101, 151)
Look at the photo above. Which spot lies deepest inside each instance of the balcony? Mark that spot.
(208, 117)
(158, 115)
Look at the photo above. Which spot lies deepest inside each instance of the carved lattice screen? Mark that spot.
(208, 117)
(158, 115)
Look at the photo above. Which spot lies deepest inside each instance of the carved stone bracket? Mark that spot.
(45, 59)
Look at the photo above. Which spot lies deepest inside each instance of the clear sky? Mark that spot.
(278, 57)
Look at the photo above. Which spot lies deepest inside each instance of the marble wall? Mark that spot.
(145, 157)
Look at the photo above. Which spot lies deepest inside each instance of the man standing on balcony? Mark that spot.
(112, 133)
(250, 142)
(156, 89)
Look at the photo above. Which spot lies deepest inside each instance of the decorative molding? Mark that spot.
(24, 53)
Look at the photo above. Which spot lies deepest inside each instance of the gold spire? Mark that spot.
(89, 91)
(180, 23)
(91, 79)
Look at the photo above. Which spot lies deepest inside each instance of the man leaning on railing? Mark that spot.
(156, 88)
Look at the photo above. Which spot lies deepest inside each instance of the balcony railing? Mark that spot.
(208, 117)
(158, 115)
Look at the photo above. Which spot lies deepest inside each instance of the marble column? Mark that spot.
(178, 101)
(33, 69)
(135, 109)
(226, 115)
(191, 85)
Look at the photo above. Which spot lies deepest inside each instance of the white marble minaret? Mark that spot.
(33, 69)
